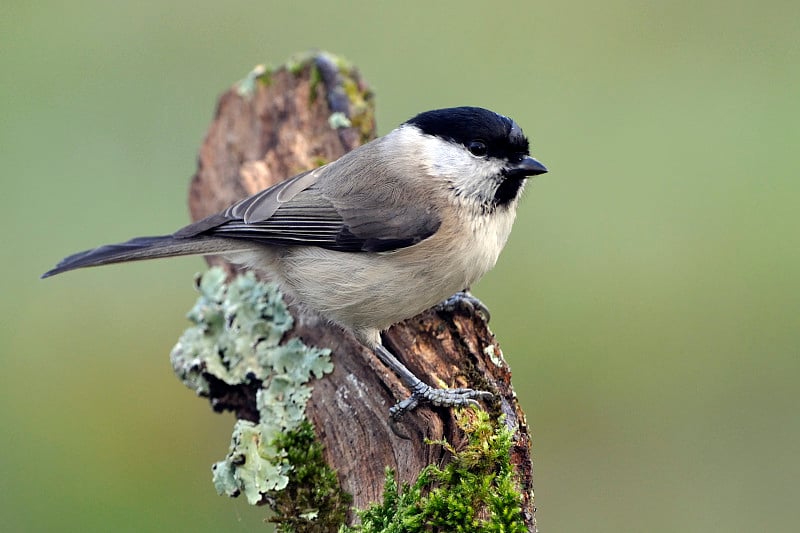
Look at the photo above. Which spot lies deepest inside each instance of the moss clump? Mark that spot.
(474, 492)
(362, 108)
(314, 81)
(360, 99)
(312, 501)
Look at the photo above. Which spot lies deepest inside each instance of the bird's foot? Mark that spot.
(466, 301)
(424, 393)
(439, 397)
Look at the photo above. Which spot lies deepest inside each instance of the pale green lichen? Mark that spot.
(236, 339)
(494, 356)
(247, 86)
(339, 120)
(474, 492)
(253, 466)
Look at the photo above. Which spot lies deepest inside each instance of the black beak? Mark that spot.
(525, 168)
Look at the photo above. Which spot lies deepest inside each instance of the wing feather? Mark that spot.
(297, 212)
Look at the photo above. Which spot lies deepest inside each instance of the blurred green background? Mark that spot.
(648, 300)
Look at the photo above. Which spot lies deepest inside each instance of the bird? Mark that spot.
(388, 230)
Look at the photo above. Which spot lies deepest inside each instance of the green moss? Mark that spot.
(315, 78)
(359, 96)
(238, 339)
(474, 492)
(312, 501)
(362, 105)
(260, 73)
(298, 62)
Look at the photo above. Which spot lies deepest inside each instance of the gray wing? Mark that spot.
(297, 212)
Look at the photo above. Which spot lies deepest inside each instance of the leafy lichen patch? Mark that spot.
(237, 338)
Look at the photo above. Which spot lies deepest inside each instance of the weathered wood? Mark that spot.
(277, 129)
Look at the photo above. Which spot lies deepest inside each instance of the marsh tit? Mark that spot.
(383, 233)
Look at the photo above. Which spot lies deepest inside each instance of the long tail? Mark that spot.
(146, 248)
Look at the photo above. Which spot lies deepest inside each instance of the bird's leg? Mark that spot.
(421, 392)
(465, 300)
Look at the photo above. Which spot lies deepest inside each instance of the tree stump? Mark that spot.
(271, 126)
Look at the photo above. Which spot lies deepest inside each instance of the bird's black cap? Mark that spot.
(502, 136)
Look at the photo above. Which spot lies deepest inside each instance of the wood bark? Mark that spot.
(279, 128)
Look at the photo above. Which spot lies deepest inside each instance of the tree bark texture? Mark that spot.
(271, 128)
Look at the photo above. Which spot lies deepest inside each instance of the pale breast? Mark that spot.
(372, 291)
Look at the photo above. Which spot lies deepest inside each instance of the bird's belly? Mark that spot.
(369, 291)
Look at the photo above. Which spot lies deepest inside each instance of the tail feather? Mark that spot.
(145, 248)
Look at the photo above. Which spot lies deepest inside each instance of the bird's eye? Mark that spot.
(477, 148)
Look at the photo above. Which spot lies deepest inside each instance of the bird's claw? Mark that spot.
(460, 397)
(465, 300)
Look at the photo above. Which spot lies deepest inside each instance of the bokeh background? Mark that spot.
(648, 300)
